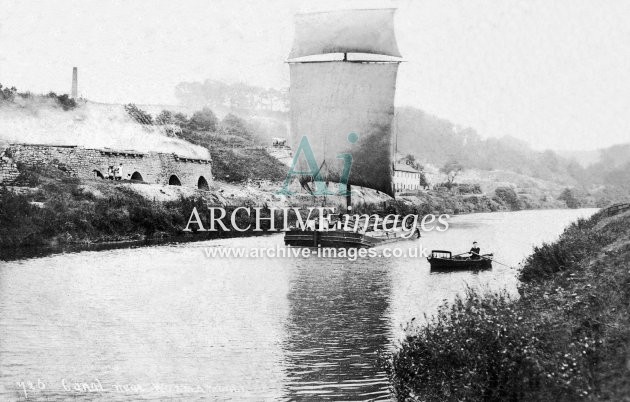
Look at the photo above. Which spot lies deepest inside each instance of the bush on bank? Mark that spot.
(53, 208)
(566, 338)
(482, 347)
(79, 217)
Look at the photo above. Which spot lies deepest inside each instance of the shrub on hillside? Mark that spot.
(468, 188)
(234, 156)
(576, 243)
(204, 120)
(138, 114)
(570, 198)
(483, 347)
(66, 102)
(234, 125)
(507, 196)
(7, 94)
(28, 176)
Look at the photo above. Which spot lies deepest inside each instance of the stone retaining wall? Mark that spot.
(85, 163)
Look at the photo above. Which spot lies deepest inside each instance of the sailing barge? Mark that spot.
(343, 68)
(340, 238)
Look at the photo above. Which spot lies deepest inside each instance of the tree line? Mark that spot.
(9, 94)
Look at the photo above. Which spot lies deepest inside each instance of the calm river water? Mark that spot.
(167, 322)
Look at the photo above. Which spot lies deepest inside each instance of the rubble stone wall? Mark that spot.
(151, 167)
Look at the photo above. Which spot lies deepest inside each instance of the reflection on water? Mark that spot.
(337, 324)
(167, 322)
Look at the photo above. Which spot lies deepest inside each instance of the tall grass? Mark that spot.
(576, 243)
(59, 210)
(566, 338)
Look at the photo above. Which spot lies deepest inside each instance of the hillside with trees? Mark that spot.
(11, 95)
(237, 150)
(438, 142)
(441, 143)
(236, 97)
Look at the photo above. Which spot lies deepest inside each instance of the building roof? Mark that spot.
(401, 167)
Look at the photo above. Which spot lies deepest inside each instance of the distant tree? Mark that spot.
(138, 114)
(423, 180)
(165, 117)
(169, 124)
(181, 119)
(465, 188)
(6, 93)
(619, 177)
(204, 120)
(234, 125)
(451, 169)
(576, 171)
(508, 196)
(66, 102)
(550, 160)
(568, 196)
(216, 94)
(616, 155)
(410, 160)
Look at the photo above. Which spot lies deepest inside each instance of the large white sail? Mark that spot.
(345, 31)
(330, 100)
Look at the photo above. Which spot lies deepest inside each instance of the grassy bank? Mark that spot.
(566, 338)
(46, 207)
(59, 211)
(456, 201)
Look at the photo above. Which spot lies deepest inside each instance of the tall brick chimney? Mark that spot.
(75, 84)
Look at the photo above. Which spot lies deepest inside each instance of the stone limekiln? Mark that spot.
(87, 163)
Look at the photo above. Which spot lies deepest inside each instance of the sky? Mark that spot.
(555, 74)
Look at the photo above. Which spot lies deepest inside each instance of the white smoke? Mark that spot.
(91, 125)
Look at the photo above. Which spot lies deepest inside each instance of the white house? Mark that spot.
(406, 178)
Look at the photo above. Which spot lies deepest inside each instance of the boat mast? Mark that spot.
(395, 134)
(348, 186)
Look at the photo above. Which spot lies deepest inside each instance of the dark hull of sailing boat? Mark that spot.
(341, 238)
(442, 260)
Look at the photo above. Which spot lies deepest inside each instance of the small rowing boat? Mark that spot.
(442, 259)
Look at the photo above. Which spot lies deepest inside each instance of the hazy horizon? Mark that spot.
(552, 75)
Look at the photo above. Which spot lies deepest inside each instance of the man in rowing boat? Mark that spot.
(474, 252)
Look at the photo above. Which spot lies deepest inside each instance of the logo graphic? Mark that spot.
(314, 172)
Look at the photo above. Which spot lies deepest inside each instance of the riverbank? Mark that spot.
(565, 338)
(46, 208)
(453, 202)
